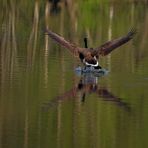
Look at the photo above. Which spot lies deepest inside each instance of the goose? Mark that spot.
(90, 56)
(96, 66)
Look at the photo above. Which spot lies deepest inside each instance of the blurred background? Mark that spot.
(40, 103)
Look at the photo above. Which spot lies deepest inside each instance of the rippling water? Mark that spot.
(43, 103)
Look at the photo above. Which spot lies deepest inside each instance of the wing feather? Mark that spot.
(109, 46)
(60, 40)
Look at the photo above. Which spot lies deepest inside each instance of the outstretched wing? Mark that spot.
(60, 40)
(109, 46)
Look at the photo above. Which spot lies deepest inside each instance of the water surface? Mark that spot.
(43, 103)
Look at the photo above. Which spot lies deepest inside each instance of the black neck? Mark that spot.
(85, 41)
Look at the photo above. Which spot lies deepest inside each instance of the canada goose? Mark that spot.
(90, 56)
(96, 66)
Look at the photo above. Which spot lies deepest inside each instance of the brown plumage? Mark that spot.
(88, 55)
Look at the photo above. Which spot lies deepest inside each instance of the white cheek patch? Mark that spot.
(88, 64)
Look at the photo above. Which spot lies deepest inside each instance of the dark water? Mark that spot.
(43, 103)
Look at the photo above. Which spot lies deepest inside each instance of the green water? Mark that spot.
(40, 103)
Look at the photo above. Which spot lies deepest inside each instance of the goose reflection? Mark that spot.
(88, 84)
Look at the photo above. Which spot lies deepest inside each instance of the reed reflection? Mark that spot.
(88, 84)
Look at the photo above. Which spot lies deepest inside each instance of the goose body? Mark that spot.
(89, 56)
